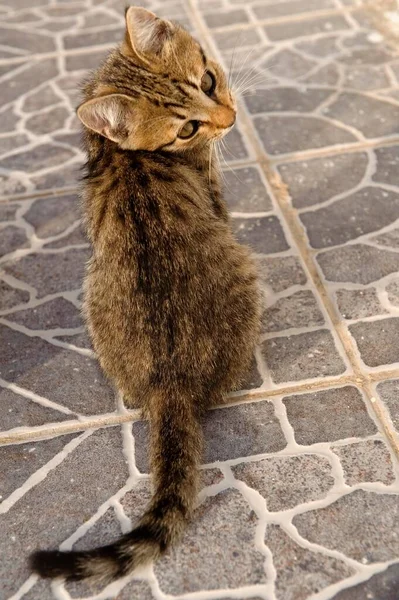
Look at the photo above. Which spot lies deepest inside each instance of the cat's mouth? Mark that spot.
(223, 132)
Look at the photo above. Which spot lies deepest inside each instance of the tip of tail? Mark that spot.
(104, 564)
(52, 564)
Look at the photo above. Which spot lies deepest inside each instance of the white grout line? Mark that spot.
(35, 398)
(254, 499)
(42, 473)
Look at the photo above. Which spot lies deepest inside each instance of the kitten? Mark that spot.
(171, 299)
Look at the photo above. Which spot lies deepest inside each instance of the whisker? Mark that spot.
(238, 76)
(250, 78)
(243, 80)
(252, 82)
(227, 149)
(231, 169)
(233, 55)
(235, 82)
(222, 175)
(223, 146)
(212, 145)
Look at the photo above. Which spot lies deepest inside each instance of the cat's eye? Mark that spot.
(208, 83)
(188, 130)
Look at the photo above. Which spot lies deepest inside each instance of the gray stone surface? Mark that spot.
(387, 162)
(51, 273)
(11, 239)
(18, 411)
(52, 216)
(377, 341)
(299, 310)
(8, 212)
(54, 314)
(227, 40)
(253, 379)
(40, 157)
(31, 74)
(313, 184)
(136, 589)
(61, 375)
(365, 461)
(373, 118)
(36, 520)
(210, 477)
(362, 524)
(393, 292)
(244, 430)
(292, 562)
(41, 590)
(302, 356)
(264, 235)
(235, 147)
(383, 585)
(7, 120)
(10, 296)
(327, 75)
(228, 523)
(294, 29)
(288, 64)
(357, 304)
(104, 531)
(76, 238)
(19, 462)
(365, 211)
(46, 122)
(389, 392)
(245, 191)
(81, 40)
(357, 263)
(389, 239)
(81, 340)
(60, 177)
(38, 100)
(287, 134)
(329, 415)
(292, 7)
(11, 142)
(280, 273)
(221, 19)
(286, 99)
(287, 481)
(31, 41)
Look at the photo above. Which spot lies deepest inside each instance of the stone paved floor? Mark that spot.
(300, 495)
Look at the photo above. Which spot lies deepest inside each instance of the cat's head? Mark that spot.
(158, 90)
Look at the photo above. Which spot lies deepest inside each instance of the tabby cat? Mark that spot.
(171, 299)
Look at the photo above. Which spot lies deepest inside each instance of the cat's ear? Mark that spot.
(108, 115)
(146, 34)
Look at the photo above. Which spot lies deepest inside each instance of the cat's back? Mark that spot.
(146, 200)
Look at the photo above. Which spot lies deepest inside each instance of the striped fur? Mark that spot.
(171, 299)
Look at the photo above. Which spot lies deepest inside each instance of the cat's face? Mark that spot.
(160, 91)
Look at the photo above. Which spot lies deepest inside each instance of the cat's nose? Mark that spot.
(224, 117)
(233, 121)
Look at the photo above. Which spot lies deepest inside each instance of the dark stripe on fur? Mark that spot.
(190, 84)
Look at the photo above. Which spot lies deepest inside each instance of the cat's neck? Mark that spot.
(203, 159)
(102, 154)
